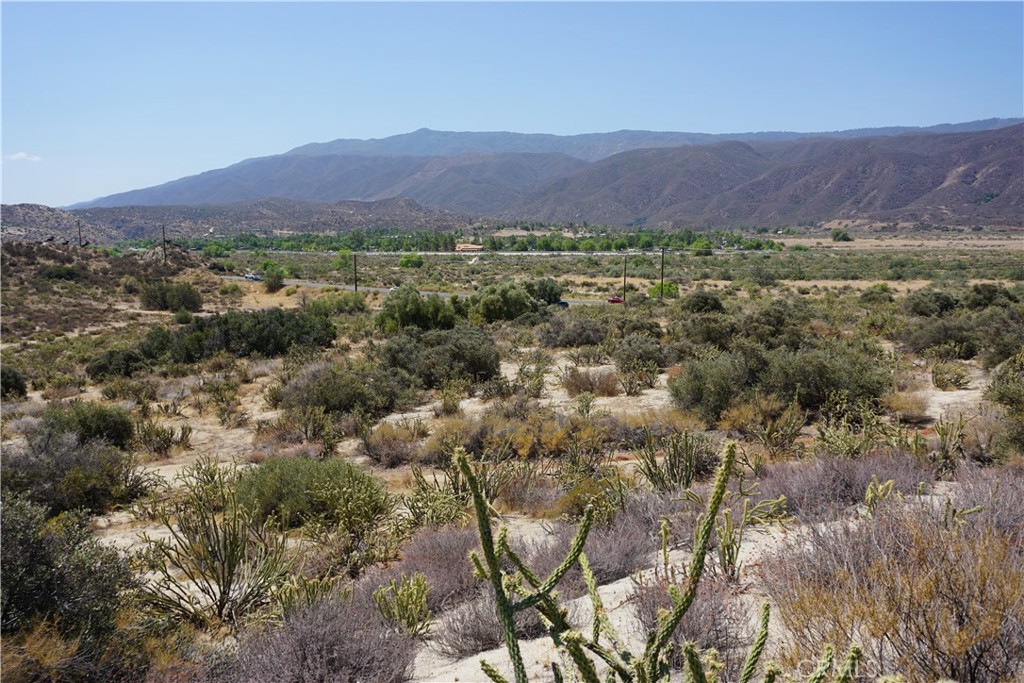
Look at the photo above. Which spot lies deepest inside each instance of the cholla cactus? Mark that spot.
(525, 590)
(403, 603)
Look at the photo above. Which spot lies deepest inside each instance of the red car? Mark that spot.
(616, 300)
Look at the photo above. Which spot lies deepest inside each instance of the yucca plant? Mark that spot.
(218, 563)
(686, 455)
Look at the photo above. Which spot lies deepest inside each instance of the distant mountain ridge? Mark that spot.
(591, 146)
(958, 178)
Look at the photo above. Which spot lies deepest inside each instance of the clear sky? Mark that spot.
(106, 97)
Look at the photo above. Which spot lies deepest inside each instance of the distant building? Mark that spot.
(468, 247)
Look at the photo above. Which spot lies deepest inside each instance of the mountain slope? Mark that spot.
(957, 178)
(492, 181)
(38, 223)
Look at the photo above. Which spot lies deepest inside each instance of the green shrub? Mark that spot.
(985, 294)
(566, 330)
(359, 387)
(268, 332)
(930, 303)
(877, 294)
(405, 307)
(840, 235)
(170, 296)
(348, 511)
(811, 375)
(60, 272)
(779, 323)
(337, 303)
(999, 333)
(709, 383)
(90, 420)
(410, 261)
(59, 472)
(669, 291)
(438, 357)
(273, 280)
(950, 375)
(639, 350)
(716, 329)
(1007, 389)
(505, 301)
(297, 491)
(702, 301)
(546, 290)
(122, 388)
(116, 363)
(231, 289)
(951, 337)
(56, 570)
(12, 382)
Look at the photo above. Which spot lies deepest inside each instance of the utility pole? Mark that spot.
(661, 293)
(624, 257)
(163, 234)
(355, 271)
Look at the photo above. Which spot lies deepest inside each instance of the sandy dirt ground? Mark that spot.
(235, 445)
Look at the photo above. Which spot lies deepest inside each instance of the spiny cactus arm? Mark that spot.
(757, 649)
(478, 567)
(528, 574)
(602, 622)
(548, 606)
(492, 673)
(771, 672)
(562, 569)
(504, 609)
(694, 667)
(600, 613)
(848, 670)
(824, 666)
(575, 642)
(700, 551)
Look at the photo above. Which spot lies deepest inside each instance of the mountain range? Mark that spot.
(955, 174)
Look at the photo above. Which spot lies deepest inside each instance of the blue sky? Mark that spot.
(106, 97)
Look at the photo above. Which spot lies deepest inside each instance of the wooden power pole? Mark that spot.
(661, 293)
(624, 257)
